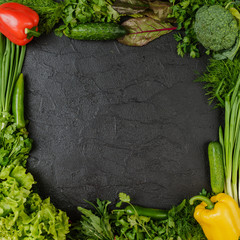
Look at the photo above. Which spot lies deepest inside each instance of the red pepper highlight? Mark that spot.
(18, 23)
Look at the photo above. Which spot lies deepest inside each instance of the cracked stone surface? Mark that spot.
(107, 118)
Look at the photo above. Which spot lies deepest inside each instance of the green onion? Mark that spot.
(230, 142)
(11, 62)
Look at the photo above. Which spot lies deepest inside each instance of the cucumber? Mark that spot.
(215, 157)
(96, 31)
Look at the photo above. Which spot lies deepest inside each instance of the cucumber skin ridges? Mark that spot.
(215, 157)
(96, 31)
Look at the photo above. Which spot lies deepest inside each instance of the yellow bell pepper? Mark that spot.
(218, 217)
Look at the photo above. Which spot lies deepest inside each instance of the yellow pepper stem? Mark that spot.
(210, 204)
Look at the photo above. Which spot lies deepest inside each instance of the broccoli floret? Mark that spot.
(216, 28)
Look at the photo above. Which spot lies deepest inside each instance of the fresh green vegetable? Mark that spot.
(230, 142)
(230, 53)
(117, 224)
(85, 11)
(15, 144)
(23, 214)
(216, 28)
(93, 225)
(215, 157)
(12, 57)
(156, 214)
(220, 79)
(18, 102)
(77, 12)
(95, 31)
(184, 12)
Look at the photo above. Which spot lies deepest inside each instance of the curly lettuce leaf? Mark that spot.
(23, 214)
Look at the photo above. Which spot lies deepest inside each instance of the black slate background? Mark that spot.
(107, 118)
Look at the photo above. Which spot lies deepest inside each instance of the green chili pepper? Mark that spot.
(156, 214)
(18, 102)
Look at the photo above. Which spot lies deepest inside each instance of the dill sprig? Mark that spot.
(220, 79)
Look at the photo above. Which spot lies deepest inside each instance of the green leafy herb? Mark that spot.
(76, 12)
(220, 79)
(124, 197)
(179, 225)
(14, 145)
(93, 225)
(103, 224)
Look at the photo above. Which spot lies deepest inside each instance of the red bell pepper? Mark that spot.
(18, 23)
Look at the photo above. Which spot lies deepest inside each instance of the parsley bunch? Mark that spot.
(180, 224)
(117, 224)
(15, 144)
(86, 11)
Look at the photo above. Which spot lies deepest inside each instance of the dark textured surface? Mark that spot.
(107, 118)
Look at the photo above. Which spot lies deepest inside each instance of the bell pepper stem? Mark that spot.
(210, 204)
(32, 32)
